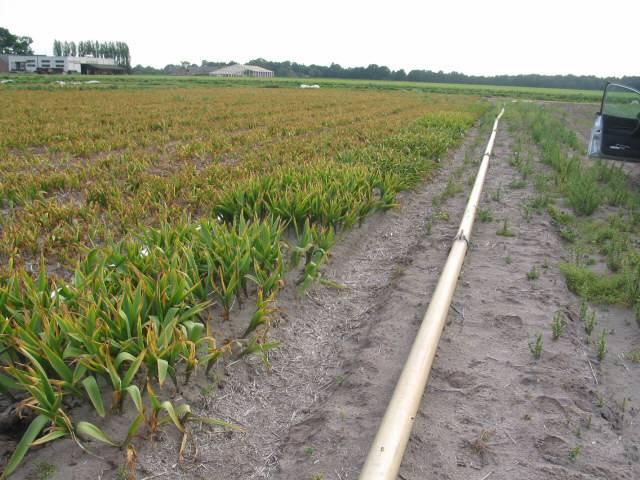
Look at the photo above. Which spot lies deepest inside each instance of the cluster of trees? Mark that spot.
(378, 72)
(182, 68)
(64, 48)
(14, 44)
(119, 51)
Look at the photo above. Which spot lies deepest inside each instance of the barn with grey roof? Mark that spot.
(239, 70)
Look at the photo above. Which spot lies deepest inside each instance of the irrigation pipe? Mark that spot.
(387, 449)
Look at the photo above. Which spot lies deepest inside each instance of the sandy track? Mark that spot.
(489, 406)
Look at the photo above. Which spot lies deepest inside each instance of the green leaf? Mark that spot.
(8, 383)
(87, 429)
(53, 435)
(133, 428)
(183, 411)
(155, 403)
(194, 330)
(44, 379)
(134, 393)
(58, 364)
(123, 357)
(72, 352)
(34, 429)
(163, 367)
(91, 386)
(79, 372)
(133, 369)
(168, 407)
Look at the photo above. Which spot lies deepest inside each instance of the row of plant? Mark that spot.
(71, 178)
(139, 82)
(151, 303)
(593, 203)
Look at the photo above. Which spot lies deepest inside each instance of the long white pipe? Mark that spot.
(387, 449)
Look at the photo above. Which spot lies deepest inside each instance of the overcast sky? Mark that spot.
(476, 37)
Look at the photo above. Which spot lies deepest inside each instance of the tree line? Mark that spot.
(377, 72)
(119, 51)
(381, 72)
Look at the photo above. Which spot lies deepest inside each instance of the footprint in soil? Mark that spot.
(549, 405)
(460, 380)
(553, 449)
(509, 324)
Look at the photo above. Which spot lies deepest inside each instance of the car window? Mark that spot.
(621, 102)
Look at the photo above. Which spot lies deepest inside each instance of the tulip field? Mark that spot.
(145, 233)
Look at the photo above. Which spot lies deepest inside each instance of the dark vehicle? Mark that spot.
(616, 132)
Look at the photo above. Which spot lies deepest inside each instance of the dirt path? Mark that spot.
(489, 406)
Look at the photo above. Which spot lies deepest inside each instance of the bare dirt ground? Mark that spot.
(490, 411)
(490, 408)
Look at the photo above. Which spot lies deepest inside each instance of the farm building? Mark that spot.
(238, 70)
(49, 64)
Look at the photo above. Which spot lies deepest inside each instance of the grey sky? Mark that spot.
(476, 37)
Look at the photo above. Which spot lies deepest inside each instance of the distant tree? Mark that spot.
(119, 51)
(399, 75)
(140, 70)
(10, 43)
(57, 48)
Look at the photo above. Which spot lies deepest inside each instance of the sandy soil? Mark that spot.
(489, 406)
(489, 409)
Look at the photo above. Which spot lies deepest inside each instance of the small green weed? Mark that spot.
(602, 345)
(590, 322)
(517, 184)
(558, 325)
(42, 471)
(592, 286)
(574, 453)
(122, 473)
(496, 196)
(451, 189)
(485, 215)
(558, 216)
(540, 202)
(568, 234)
(583, 193)
(533, 274)
(536, 347)
(441, 215)
(584, 309)
(504, 231)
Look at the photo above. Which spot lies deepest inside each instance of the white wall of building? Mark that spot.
(31, 63)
